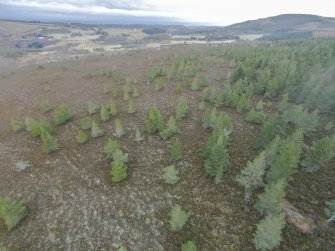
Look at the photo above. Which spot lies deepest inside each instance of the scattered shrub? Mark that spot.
(16, 125)
(178, 218)
(269, 232)
(170, 175)
(12, 213)
(155, 121)
(96, 131)
(62, 115)
(81, 137)
(181, 108)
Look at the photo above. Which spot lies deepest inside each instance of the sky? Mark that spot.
(208, 12)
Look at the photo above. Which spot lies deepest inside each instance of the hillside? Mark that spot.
(285, 26)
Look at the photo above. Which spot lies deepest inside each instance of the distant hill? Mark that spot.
(287, 26)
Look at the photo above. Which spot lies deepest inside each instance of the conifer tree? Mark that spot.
(62, 115)
(181, 108)
(118, 155)
(81, 137)
(16, 125)
(189, 246)
(195, 84)
(138, 136)
(201, 105)
(269, 232)
(38, 126)
(155, 121)
(112, 107)
(107, 88)
(29, 122)
(274, 126)
(118, 171)
(319, 153)
(111, 147)
(45, 106)
(119, 130)
(135, 93)
(96, 131)
(115, 93)
(286, 161)
(86, 123)
(50, 143)
(178, 89)
(171, 128)
(256, 117)
(131, 106)
(92, 108)
(12, 213)
(251, 177)
(216, 155)
(270, 202)
(206, 119)
(242, 104)
(104, 113)
(159, 85)
(170, 175)
(283, 103)
(175, 151)
(178, 218)
(260, 105)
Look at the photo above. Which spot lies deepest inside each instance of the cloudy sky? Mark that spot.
(218, 12)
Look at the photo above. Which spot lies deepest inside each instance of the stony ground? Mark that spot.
(72, 202)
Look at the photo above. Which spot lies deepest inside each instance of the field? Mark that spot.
(72, 202)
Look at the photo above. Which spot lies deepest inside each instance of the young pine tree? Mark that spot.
(81, 137)
(119, 130)
(12, 213)
(159, 85)
(175, 151)
(16, 125)
(112, 107)
(86, 123)
(181, 108)
(131, 106)
(118, 171)
(170, 175)
(45, 106)
(216, 155)
(285, 162)
(92, 108)
(171, 128)
(107, 88)
(270, 202)
(62, 115)
(178, 218)
(189, 246)
(256, 117)
(195, 84)
(50, 143)
(155, 121)
(111, 147)
(96, 131)
(138, 136)
(178, 89)
(104, 113)
(251, 177)
(135, 93)
(319, 153)
(269, 232)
